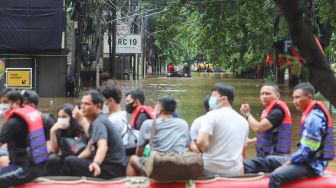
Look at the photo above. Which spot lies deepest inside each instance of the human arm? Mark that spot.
(274, 119)
(193, 146)
(202, 141)
(78, 115)
(99, 157)
(86, 153)
(311, 138)
(144, 137)
(54, 148)
(10, 129)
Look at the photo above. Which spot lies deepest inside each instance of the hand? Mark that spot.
(95, 168)
(77, 113)
(56, 127)
(245, 109)
(251, 140)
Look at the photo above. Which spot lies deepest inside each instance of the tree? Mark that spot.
(320, 73)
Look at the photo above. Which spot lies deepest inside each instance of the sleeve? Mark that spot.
(208, 124)
(276, 116)
(99, 132)
(48, 121)
(9, 129)
(311, 137)
(145, 133)
(195, 126)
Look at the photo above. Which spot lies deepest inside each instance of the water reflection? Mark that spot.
(189, 93)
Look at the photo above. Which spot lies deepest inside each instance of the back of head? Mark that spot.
(67, 108)
(206, 103)
(30, 97)
(13, 95)
(110, 90)
(225, 90)
(137, 94)
(96, 97)
(271, 84)
(306, 87)
(168, 104)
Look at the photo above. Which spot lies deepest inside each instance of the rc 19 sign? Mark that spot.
(125, 44)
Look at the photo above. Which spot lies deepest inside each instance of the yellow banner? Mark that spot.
(18, 78)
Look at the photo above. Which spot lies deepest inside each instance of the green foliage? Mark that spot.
(235, 34)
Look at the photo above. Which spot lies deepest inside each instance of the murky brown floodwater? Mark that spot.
(189, 93)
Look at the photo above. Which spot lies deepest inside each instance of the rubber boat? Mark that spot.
(328, 180)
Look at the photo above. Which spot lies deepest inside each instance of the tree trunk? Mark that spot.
(320, 73)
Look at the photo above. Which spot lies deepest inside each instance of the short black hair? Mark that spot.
(30, 96)
(168, 104)
(13, 95)
(225, 90)
(110, 90)
(206, 103)
(271, 84)
(97, 97)
(306, 87)
(137, 94)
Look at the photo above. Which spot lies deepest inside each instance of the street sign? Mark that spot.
(19, 78)
(125, 44)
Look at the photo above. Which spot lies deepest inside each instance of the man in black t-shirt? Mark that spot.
(274, 115)
(15, 133)
(108, 159)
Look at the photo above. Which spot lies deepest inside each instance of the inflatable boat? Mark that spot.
(328, 180)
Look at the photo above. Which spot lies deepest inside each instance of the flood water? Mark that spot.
(189, 94)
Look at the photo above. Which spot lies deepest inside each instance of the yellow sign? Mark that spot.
(19, 78)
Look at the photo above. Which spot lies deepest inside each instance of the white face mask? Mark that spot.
(64, 121)
(106, 108)
(4, 107)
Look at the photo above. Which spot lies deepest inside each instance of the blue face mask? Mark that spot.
(213, 103)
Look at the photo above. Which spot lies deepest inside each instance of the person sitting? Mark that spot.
(195, 126)
(275, 123)
(24, 134)
(104, 157)
(170, 68)
(118, 118)
(67, 137)
(171, 135)
(30, 97)
(135, 105)
(316, 145)
(222, 135)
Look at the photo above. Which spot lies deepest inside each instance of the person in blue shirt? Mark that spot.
(311, 158)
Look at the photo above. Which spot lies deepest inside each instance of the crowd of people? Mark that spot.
(91, 139)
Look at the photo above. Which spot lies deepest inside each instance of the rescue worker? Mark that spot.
(24, 134)
(274, 128)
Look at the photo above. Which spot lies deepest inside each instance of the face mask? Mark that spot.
(129, 107)
(105, 108)
(4, 107)
(64, 121)
(213, 103)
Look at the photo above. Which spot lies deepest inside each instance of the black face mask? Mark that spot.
(129, 107)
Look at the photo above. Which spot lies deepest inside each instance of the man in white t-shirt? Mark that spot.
(222, 135)
(195, 126)
(112, 108)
